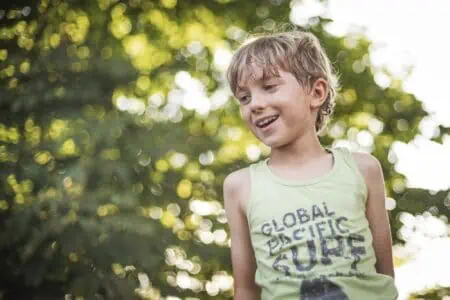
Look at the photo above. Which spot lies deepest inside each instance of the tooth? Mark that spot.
(266, 121)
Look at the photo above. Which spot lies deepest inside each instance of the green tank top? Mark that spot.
(311, 238)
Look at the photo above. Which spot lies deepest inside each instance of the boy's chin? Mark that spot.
(271, 142)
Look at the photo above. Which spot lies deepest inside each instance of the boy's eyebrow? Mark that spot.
(260, 79)
(271, 77)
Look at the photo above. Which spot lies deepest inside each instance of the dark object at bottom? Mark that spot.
(321, 289)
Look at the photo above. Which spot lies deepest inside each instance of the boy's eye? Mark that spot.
(244, 99)
(269, 86)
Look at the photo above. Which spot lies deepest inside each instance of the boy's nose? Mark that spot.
(258, 103)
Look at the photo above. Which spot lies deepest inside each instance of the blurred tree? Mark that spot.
(432, 294)
(116, 135)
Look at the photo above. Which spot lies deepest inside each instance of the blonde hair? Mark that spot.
(297, 52)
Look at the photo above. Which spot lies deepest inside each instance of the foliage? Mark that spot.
(432, 294)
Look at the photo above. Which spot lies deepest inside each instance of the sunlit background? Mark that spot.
(164, 166)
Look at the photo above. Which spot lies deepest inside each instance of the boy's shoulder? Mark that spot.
(368, 165)
(236, 186)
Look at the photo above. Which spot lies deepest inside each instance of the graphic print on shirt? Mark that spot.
(321, 289)
(324, 240)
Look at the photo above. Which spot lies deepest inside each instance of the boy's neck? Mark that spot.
(303, 150)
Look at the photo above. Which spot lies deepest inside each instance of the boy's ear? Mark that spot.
(318, 92)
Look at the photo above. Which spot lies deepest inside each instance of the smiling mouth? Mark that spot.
(266, 122)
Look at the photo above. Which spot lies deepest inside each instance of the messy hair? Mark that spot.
(297, 52)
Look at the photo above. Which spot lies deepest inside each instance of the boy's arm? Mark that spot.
(376, 212)
(236, 191)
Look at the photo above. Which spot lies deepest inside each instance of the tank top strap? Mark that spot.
(255, 171)
(347, 157)
(350, 163)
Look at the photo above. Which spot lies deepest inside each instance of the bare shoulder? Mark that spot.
(368, 165)
(236, 188)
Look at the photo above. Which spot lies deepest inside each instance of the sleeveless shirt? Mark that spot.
(311, 238)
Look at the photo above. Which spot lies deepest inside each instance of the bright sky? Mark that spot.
(408, 33)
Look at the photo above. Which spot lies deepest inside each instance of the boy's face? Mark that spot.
(277, 109)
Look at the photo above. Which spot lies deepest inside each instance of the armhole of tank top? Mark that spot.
(351, 162)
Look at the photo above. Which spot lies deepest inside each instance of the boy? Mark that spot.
(308, 222)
